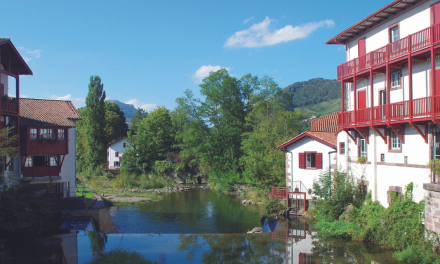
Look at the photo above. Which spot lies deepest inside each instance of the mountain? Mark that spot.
(313, 91)
(128, 109)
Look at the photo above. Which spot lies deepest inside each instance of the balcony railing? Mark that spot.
(402, 47)
(421, 108)
(8, 106)
(279, 192)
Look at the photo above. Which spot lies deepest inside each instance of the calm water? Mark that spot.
(197, 226)
(202, 211)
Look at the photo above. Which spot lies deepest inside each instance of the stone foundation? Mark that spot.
(432, 207)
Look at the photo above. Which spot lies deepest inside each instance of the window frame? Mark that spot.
(312, 154)
(63, 133)
(341, 148)
(363, 145)
(117, 164)
(393, 30)
(400, 80)
(28, 162)
(43, 133)
(116, 154)
(53, 161)
(390, 134)
(36, 133)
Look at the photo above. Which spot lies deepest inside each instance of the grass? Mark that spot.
(320, 109)
(80, 191)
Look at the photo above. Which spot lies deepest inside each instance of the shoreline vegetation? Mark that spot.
(341, 211)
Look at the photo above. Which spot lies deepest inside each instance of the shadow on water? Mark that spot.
(294, 240)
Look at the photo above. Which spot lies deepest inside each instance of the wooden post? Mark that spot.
(355, 99)
(432, 83)
(371, 95)
(388, 92)
(410, 87)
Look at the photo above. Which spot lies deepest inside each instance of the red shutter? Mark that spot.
(361, 47)
(301, 160)
(318, 160)
(437, 14)
(116, 154)
(362, 95)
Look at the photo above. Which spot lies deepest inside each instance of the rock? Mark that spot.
(244, 201)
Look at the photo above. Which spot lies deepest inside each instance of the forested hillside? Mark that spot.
(313, 91)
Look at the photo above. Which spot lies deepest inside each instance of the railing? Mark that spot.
(8, 105)
(279, 192)
(421, 108)
(411, 43)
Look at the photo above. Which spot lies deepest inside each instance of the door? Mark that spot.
(362, 99)
(362, 52)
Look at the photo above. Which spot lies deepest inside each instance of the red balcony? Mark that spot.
(421, 109)
(43, 148)
(279, 192)
(6, 105)
(410, 44)
(41, 171)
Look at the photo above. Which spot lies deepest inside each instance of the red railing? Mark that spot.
(380, 113)
(279, 192)
(399, 110)
(8, 105)
(411, 43)
(363, 115)
(421, 107)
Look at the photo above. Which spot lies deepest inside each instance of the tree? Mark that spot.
(81, 148)
(136, 118)
(7, 146)
(95, 112)
(154, 138)
(115, 125)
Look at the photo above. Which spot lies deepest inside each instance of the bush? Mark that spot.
(126, 181)
(21, 209)
(272, 207)
(254, 194)
(119, 255)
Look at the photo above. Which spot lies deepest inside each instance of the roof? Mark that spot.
(41, 112)
(117, 140)
(328, 123)
(10, 56)
(370, 21)
(327, 138)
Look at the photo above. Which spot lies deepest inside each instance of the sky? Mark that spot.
(148, 53)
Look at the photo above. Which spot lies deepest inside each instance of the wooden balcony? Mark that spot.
(41, 171)
(44, 148)
(421, 109)
(7, 106)
(412, 43)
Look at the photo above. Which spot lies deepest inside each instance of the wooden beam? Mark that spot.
(23, 163)
(407, 3)
(389, 13)
(62, 161)
(398, 134)
(354, 140)
(380, 134)
(363, 135)
(424, 136)
(8, 73)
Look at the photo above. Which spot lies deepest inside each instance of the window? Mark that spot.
(34, 134)
(310, 160)
(116, 154)
(116, 163)
(53, 161)
(396, 143)
(52, 133)
(28, 162)
(362, 148)
(395, 79)
(61, 134)
(39, 161)
(382, 157)
(342, 148)
(44, 133)
(394, 34)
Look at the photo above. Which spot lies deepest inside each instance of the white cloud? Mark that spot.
(204, 71)
(260, 34)
(247, 20)
(21, 95)
(31, 54)
(78, 102)
(137, 104)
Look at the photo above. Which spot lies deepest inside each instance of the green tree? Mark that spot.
(136, 118)
(7, 146)
(95, 112)
(81, 148)
(155, 137)
(115, 125)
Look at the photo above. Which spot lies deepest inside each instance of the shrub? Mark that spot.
(272, 207)
(21, 209)
(125, 181)
(121, 255)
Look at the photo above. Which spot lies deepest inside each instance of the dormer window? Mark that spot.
(394, 34)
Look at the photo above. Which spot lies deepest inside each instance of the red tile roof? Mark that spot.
(328, 123)
(328, 138)
(41, 112)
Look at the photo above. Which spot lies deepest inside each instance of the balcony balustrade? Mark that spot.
(7, 105)
(392, 51)
(421, 109)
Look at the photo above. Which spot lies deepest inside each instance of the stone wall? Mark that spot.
(432, 207)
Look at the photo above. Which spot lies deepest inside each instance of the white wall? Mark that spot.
(68, 170)
(116, 147)
(306, 175)
(394, 172)
(4, 80)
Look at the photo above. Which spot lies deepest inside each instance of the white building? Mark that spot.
(115, 151)
(390, 94)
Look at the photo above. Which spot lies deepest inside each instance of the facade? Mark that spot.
(47, 139)
(308, 155)
(12, 66)
(114, 153)
(390, 89)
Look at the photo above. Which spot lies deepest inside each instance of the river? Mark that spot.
(197, 226)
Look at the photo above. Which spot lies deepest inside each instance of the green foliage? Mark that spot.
(162, 167)
(313, 91)
(81, 148)
(272, 207)
(138, 116)
(128, 109)
(121, 255)
(397, 226)
(21, 209)
(320, 109)
(95, 117)
(153, 140)
(115, 126)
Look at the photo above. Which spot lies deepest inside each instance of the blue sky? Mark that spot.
(148, 52)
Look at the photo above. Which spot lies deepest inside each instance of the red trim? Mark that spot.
(365, 136)
(400, 135)
(354, 140)
(380, 134)
(305, 134)
(424, 136)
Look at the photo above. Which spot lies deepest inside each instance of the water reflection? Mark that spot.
(297, 243)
